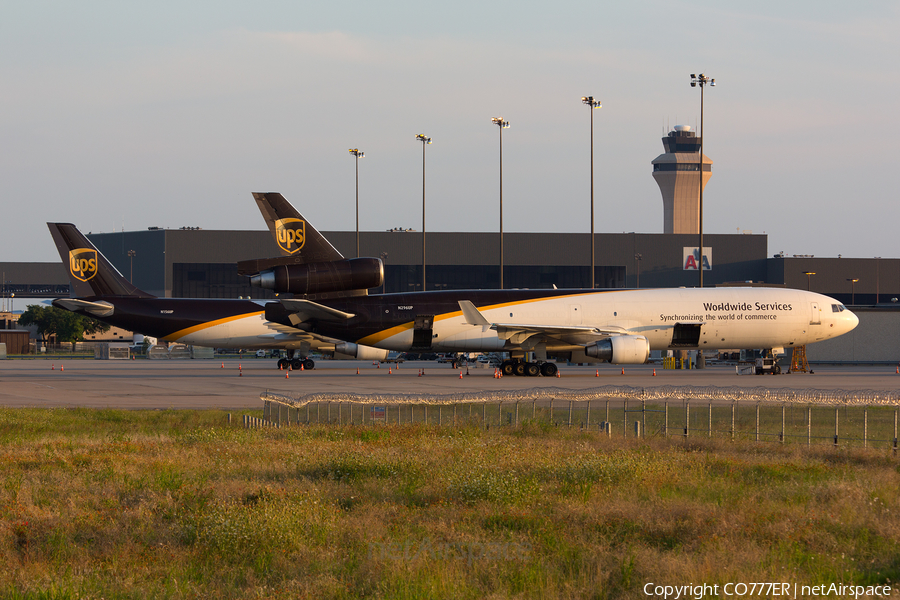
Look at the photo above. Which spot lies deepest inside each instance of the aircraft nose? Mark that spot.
(850, 320)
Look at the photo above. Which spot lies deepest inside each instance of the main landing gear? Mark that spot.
(530, 369)
(308, 364)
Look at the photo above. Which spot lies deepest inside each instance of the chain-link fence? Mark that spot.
(838, 417)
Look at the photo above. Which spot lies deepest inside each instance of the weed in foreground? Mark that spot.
(174, 504)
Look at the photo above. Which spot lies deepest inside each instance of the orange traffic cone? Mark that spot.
(597, 374)
(287, 374)
(557, 373)
(390, 371)
(623, 370)
(460, 374)
(654, 372)
(302, 368)
(52, 367)
(223, 365)
(357, 370)
(62, 368)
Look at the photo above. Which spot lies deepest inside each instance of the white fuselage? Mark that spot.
(727, 318)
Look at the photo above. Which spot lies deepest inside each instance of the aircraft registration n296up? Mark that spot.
(617, 325)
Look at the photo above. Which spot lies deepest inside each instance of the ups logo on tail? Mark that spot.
(290, 234)
(83, 263)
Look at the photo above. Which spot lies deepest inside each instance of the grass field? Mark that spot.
(177, 504)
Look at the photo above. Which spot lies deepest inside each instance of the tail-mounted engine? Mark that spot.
(321, 277)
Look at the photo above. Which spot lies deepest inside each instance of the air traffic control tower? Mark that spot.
(677, 174)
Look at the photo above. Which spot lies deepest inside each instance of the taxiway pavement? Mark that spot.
(233, 384)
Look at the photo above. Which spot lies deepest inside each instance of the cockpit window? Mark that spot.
(837, 308)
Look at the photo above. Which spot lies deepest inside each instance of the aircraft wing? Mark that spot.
(285, 333)
(303, 310)
(280, 329)
(528, 335)
(97, 309)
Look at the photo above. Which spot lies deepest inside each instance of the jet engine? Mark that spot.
(322, 277)
(621, 349)
(360, 352)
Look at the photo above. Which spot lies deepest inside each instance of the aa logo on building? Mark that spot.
(291, 234)
(691, 259)
(83, 263)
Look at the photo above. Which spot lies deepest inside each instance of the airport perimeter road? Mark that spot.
(145, 384)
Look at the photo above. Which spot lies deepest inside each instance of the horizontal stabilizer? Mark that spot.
(97, 309)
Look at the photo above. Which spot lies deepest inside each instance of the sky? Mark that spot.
(168, 114)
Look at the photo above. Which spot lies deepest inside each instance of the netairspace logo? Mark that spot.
(765, 590)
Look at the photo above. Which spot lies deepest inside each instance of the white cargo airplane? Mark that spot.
(619, 326)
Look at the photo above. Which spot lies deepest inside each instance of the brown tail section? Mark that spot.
(295, 236)
(90, 274)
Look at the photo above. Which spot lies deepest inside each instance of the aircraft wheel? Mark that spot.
(532, 369)
(508, 368)
(519, 369)
(281, 363)
(549, 369)
(296, 363)
(309, 364)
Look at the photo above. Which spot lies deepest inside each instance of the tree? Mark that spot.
(65, 325)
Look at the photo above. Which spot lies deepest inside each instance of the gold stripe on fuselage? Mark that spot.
(174, 337)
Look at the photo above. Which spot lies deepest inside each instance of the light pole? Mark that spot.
(638, 257)
(589, 100)
(425, 141)
(358, 155)
(702, 81)
(131, 254)
(853, 291)
(499, 122)
(877, 278)
(808, 275)
(384, 256)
